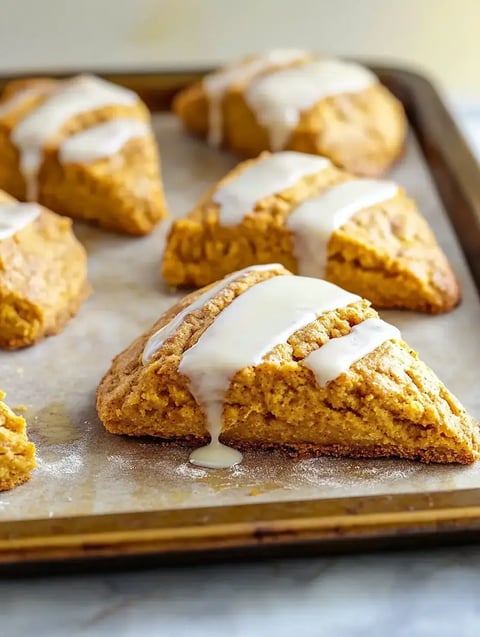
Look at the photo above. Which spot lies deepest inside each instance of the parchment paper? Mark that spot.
(82, 469)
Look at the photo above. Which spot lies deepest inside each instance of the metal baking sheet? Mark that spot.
(82, 469)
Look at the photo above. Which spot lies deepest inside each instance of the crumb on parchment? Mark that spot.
(20, 408)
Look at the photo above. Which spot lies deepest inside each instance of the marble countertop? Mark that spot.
(426, 593)
(430, 593)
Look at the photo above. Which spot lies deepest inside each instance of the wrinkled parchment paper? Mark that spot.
(82, 469)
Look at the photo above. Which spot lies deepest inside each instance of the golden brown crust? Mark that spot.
(43, 280)
(363, 132)
(123, 192)
(389, 400)
(17, 454)
(7, 485)
(386, 252)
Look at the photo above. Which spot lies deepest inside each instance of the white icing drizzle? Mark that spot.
(103, 140)
(14, 216)
(157, 339)
(337, 355)
(279, 98)
(314, 221)
(20, 96)
(216, 84)
(264, 316)
(271, 175)
(73, 97)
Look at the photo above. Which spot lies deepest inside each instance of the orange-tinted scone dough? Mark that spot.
(121, 191)
(388, 404)
(386, 252)
(363, 131)
(43, 279)
(17, 454)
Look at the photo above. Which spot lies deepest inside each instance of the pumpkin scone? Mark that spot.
(84, 148)
(43, 273)
(289, 99)
(17, 454)
(264, 360)
(317, 220)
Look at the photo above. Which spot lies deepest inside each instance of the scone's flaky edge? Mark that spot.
(199, 250)
(155, 400)
(8, 485)
(53, 328)
(12, 476)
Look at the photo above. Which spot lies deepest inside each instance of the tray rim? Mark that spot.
(341, 523)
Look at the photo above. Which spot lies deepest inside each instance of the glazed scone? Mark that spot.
(288, 99)
(43, 273)
(317, 220)
(264, 359)
(84, 148)
(17, 454)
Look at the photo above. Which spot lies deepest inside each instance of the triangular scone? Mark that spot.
(84, 148)
(271, 360)
(17, 454)
(296, 100)
(317, 220)
(43, 273)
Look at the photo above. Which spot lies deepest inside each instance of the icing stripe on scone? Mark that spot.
(103, 140)
(264, 316)
(157, 339)
(314, 221)
(14, 216)
(20, 96)
(218, 83)
(73, 97)
(279, 98)
(267, 177)
(337, 355)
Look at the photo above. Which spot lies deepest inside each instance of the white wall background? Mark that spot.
(440, 36)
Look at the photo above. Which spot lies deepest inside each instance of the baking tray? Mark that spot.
(291, 526)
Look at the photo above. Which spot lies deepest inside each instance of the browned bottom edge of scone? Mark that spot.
(304, 450)
(6, 485)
